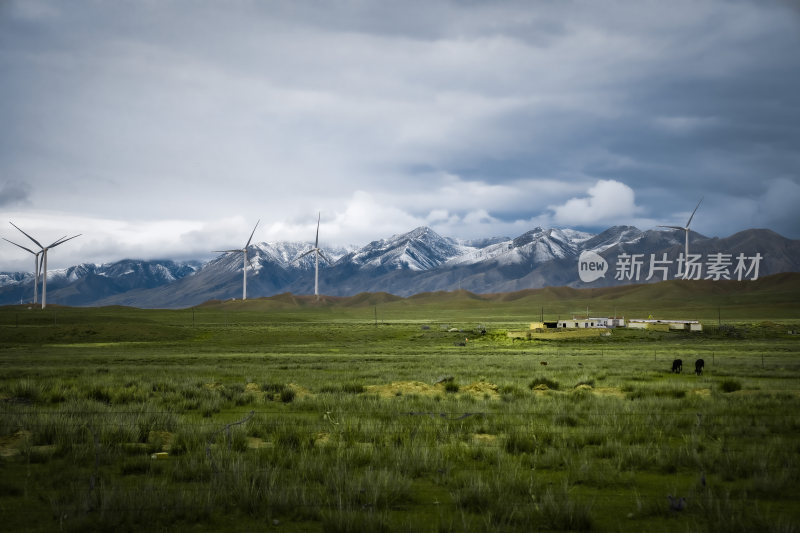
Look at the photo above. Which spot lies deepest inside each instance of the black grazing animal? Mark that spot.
(677, 366)
(676, 504)
(698, 366)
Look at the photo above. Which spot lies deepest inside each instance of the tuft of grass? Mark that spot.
(549, 383)
(517, 442)
(26, 390)
(287, 395)
(451, 386)
(730, 385)
(344, 388)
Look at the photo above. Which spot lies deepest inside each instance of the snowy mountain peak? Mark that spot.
(419, 249)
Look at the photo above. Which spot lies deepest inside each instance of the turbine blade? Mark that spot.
(316, 241)
(28, 236)
(19, 245)
(226, 251)
(62, 240)
(251, 234)
(302, 255)
(673, 227)
(693, 212)
(324, 257)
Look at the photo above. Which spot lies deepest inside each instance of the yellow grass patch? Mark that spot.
(484, 439)
(298, 390)
(164, 436)
(255, 443)
(402, 388)
(481, 388)
(323, 438)
(610, 391)
(398, 388)
(702, 392)
(252, 387)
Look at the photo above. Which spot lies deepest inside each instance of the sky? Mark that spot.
(166, 129)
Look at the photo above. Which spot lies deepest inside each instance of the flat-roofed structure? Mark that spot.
(674, 325)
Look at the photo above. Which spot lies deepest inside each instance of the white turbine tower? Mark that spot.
(686, 230)
(36, 269)
(245, 261)
(43, 264)
(317, 251)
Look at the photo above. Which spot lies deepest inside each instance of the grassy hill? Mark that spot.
(772, 297)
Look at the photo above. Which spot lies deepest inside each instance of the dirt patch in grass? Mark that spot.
(11, 445)
(702, 392)
(568, 334)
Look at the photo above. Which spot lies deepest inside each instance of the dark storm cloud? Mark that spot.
(13, 193)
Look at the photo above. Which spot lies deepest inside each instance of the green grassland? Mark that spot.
(376, 413)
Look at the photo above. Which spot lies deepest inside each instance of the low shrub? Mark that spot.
(549, 383)
(730, 385)
(287, 395)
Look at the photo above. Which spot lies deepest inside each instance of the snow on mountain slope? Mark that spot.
(535, 246)
(281, 254)
(612, 237)
(159, 271)
(15, 278)
(420, 260)
(419, 250)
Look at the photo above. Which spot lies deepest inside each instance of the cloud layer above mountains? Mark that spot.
(166, 129)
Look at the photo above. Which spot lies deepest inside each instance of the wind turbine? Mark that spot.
(36, 270)
(43, 251)
(245, 261)
(317, 252)
(686, 230)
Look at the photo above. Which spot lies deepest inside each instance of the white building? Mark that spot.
(584, 323)
(677, 325)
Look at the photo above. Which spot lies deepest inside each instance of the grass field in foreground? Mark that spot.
(319, 418)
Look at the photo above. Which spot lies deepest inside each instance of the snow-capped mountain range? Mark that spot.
(413, 262)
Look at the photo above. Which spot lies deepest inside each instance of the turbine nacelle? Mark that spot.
(317, 251)
(685, 229)
(245, 260)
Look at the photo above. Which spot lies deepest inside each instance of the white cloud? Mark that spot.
(608, 202)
